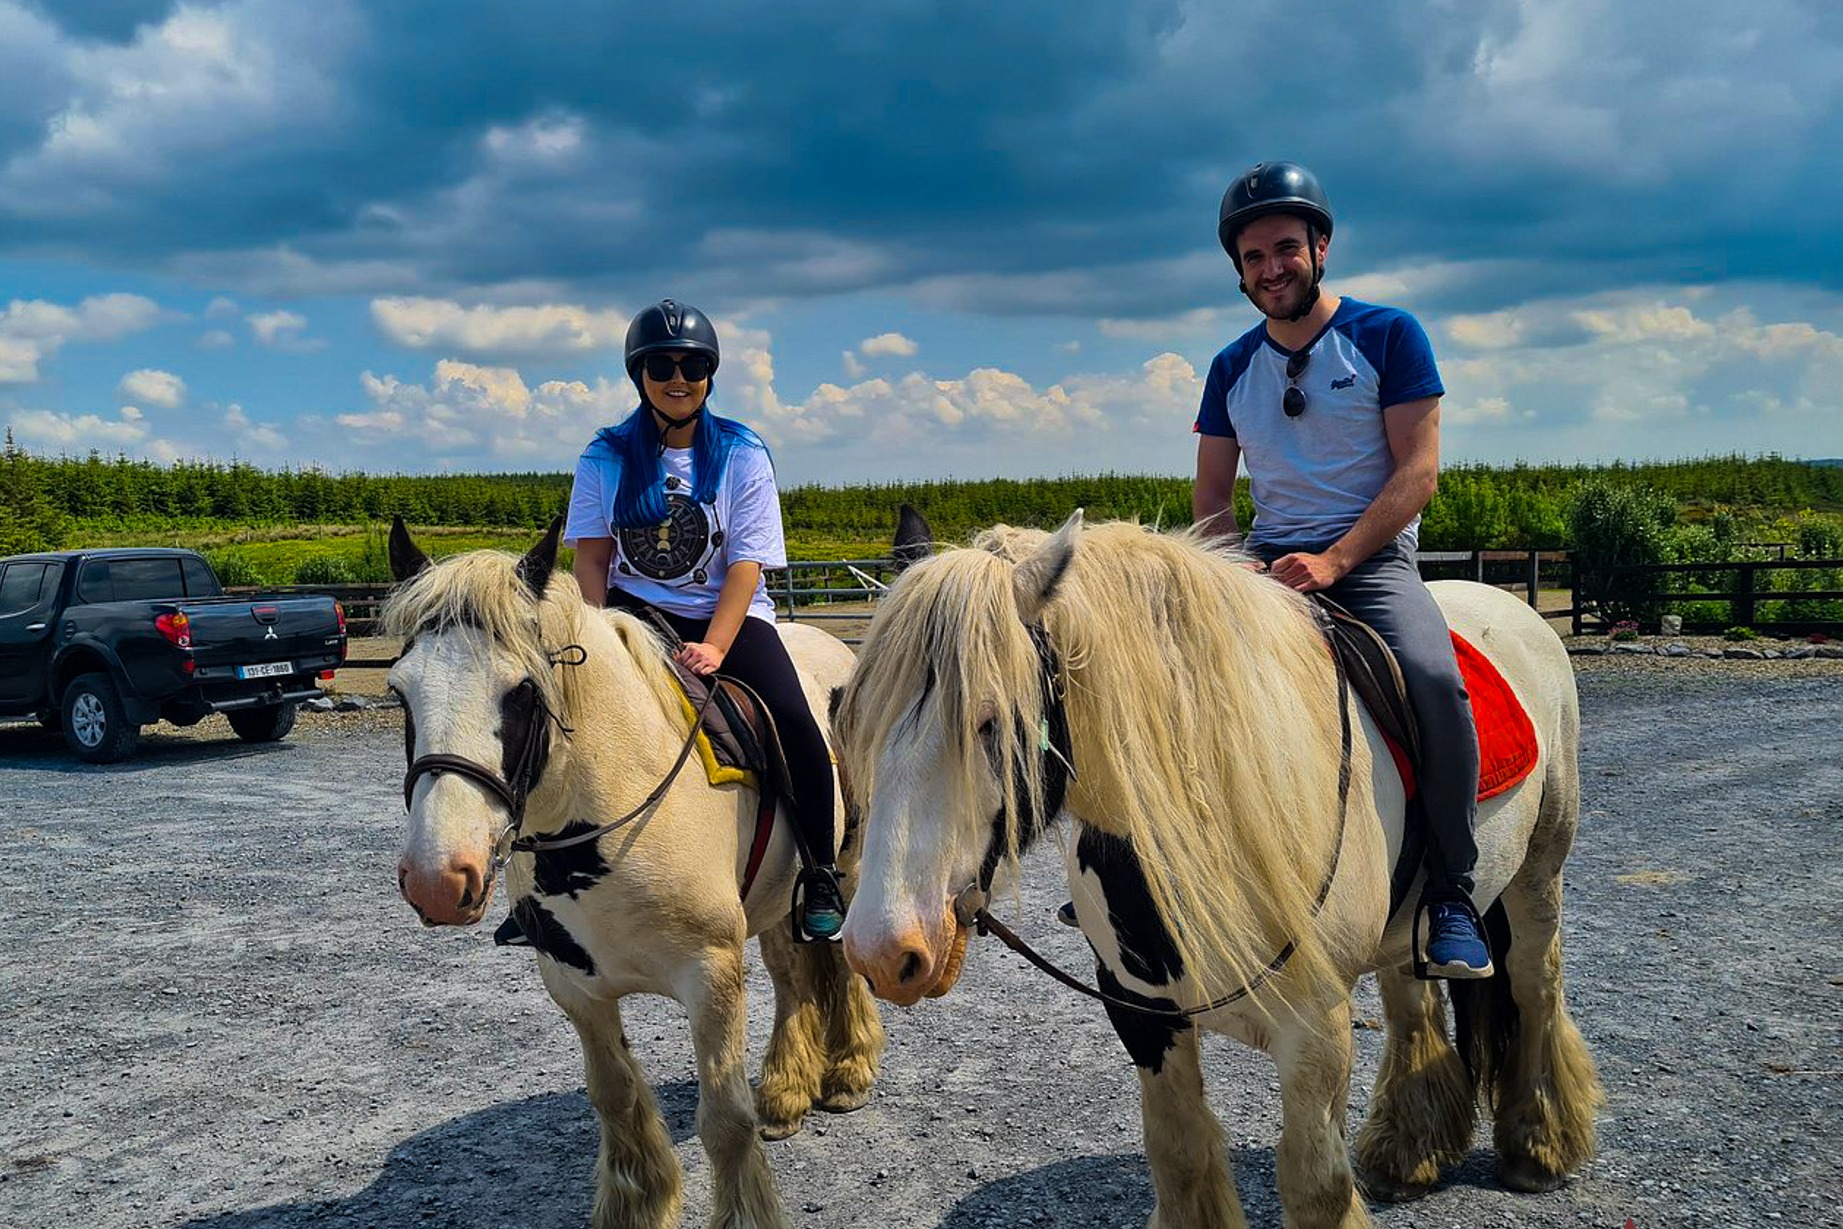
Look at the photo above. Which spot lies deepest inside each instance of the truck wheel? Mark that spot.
(267, 724)
(96, 726)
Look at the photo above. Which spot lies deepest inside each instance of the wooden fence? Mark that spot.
(1647, 586)
(835, 590)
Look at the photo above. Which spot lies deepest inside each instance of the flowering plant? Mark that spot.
(1625, 629)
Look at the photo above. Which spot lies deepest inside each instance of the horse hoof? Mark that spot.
(1390, 1190)
(771, 1131)
(1524, 1175)
(844, 1102)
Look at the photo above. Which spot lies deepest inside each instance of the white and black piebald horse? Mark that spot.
(1182, 712)
(531, 718)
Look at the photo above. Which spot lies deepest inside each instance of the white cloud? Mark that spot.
(282, 330)
(549, 140)
(1639, 374)
(252, 436)
(131, 116)
(222, 308)
(33, 330)
(216, 339)
(1199, 322)
(547, 331)
(888, 344)
(487, 414)
(161, 388)
(78, 433)
(854, 367)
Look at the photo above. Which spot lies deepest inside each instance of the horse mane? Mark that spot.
(1202, 705)
(483, 590)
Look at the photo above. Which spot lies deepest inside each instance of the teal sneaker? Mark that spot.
(1455, 948)
(819, 906)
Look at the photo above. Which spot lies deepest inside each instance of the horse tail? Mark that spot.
(1485, 1016)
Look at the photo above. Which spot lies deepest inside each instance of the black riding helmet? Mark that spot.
(670, 325)
(1267, 188)
(678, 327)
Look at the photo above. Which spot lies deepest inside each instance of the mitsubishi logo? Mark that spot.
(270, 633)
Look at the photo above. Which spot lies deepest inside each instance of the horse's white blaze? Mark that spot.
(453, 682)
(916, 858)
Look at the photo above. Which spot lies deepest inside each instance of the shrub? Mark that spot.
(1625, 629)
(232, 568)
(1615, 524)
(1740, 633)
(323, 570)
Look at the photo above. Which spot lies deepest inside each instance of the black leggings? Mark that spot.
(759, 659)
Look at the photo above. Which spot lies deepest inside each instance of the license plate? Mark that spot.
(266, 670)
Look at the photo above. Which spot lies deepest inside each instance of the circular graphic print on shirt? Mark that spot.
(670, 550)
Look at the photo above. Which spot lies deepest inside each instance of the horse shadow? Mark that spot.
(527, 1163)
(1102, 1191)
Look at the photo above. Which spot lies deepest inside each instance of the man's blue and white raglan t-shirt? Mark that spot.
(1313, 477)
(679, 566)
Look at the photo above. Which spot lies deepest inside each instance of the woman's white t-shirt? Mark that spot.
(679, 566)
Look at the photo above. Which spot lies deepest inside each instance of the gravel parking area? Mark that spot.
(220, 1016)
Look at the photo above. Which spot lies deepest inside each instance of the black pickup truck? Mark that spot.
(102, 642)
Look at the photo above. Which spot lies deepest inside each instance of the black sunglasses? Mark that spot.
(1293, 402)
(662, 367)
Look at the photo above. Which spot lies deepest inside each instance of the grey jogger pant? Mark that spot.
(1386, 592)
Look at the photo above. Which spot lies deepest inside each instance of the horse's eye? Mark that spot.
(988, 728)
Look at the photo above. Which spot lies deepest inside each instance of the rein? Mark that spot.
(513, 793)
(970, 905)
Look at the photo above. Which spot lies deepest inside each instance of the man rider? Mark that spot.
(1334, 405)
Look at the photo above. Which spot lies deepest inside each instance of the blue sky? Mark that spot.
(940, 238)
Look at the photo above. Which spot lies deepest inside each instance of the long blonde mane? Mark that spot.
(1203, 709)
(482, 589)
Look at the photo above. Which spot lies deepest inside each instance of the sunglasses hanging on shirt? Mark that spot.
(662, 367)
(1293, 401)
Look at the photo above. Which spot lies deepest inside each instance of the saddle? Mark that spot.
(738, 743)
(1507, 748)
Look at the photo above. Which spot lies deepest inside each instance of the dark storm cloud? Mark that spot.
(1034, 156)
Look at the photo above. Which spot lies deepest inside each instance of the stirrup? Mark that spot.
(802, 882)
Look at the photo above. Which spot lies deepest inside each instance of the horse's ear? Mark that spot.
(406, 558)
(1036, 578)
(914, 539)
(541, 560)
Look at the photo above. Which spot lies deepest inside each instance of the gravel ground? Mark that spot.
(219, 1015)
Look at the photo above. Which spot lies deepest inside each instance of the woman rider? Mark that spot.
(674, 511)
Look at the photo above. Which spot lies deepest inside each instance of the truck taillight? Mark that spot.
(339, 612)
(176, 628)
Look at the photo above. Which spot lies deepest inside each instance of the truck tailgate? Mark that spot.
(299, 631)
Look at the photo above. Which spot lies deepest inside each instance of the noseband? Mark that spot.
(514, 789)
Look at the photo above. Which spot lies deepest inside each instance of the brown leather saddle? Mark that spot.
(743, 736)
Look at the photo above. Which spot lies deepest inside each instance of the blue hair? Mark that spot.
(640, 498)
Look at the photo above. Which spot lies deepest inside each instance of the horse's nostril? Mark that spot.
(467, 898)
(911, 965)
(402, 875)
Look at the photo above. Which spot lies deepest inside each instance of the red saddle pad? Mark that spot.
(1506, 739)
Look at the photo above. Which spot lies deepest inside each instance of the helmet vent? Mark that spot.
(674, 314)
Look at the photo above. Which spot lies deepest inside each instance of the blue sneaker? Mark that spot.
(821, 906)
(1455, 949)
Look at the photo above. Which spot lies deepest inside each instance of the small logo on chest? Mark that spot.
(1346, 382)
